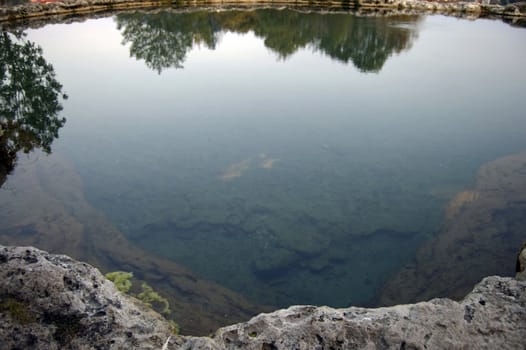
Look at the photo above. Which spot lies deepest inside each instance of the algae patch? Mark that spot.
(18, 311)
(147, 295)
(121, 280)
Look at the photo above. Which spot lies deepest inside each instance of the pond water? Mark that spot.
(291, 157)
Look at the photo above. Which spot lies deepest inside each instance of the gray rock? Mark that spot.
(492, 316)
(54, 302)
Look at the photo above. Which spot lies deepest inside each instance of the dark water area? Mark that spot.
(294, 158)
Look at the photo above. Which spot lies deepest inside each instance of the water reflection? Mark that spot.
(29, 100)
(163, 39)
(271, 178)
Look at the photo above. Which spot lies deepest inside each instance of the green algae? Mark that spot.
(121, 280)
(149, 297)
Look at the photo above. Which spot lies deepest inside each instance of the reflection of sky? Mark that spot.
(91, 55)
(426, 121)
(451, 96)
(439, 72)
(460, 81)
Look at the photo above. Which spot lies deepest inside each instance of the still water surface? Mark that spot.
(294, 158)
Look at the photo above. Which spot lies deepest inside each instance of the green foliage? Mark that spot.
(174, 326)
(121, 280)
(149, 296)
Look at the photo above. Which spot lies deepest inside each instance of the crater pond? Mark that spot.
(289, 157)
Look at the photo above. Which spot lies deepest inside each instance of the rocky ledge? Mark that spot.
(54, 302)
(514, 9)
(51, 302)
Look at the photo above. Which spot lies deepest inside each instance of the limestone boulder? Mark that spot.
(492, 316)
(54, 302)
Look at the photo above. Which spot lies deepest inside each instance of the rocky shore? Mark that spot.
(481, 225)
(63, 222)
(515, 11)
(54, 302)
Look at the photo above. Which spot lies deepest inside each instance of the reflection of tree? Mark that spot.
(29, 100)
(163, 39)
(368, 42)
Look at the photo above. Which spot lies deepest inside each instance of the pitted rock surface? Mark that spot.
(492, 316)
(54, 302)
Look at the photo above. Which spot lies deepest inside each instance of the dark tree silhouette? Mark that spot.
(162, 39)
(29, 100)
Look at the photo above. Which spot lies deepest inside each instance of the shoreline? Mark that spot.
(514, 13)
(51, 301)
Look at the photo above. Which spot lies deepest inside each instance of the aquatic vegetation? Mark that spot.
(174, 326)
(121, 280)
(148, 296)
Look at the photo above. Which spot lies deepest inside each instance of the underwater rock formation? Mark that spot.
(50, 211)
(482, 229)
(52, 301)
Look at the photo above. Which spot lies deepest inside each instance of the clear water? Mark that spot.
(294, 158)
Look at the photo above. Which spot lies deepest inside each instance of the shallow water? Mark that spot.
(294, 158)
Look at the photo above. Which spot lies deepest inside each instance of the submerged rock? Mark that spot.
(49, 210)
(481, 231)
(53, 302)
